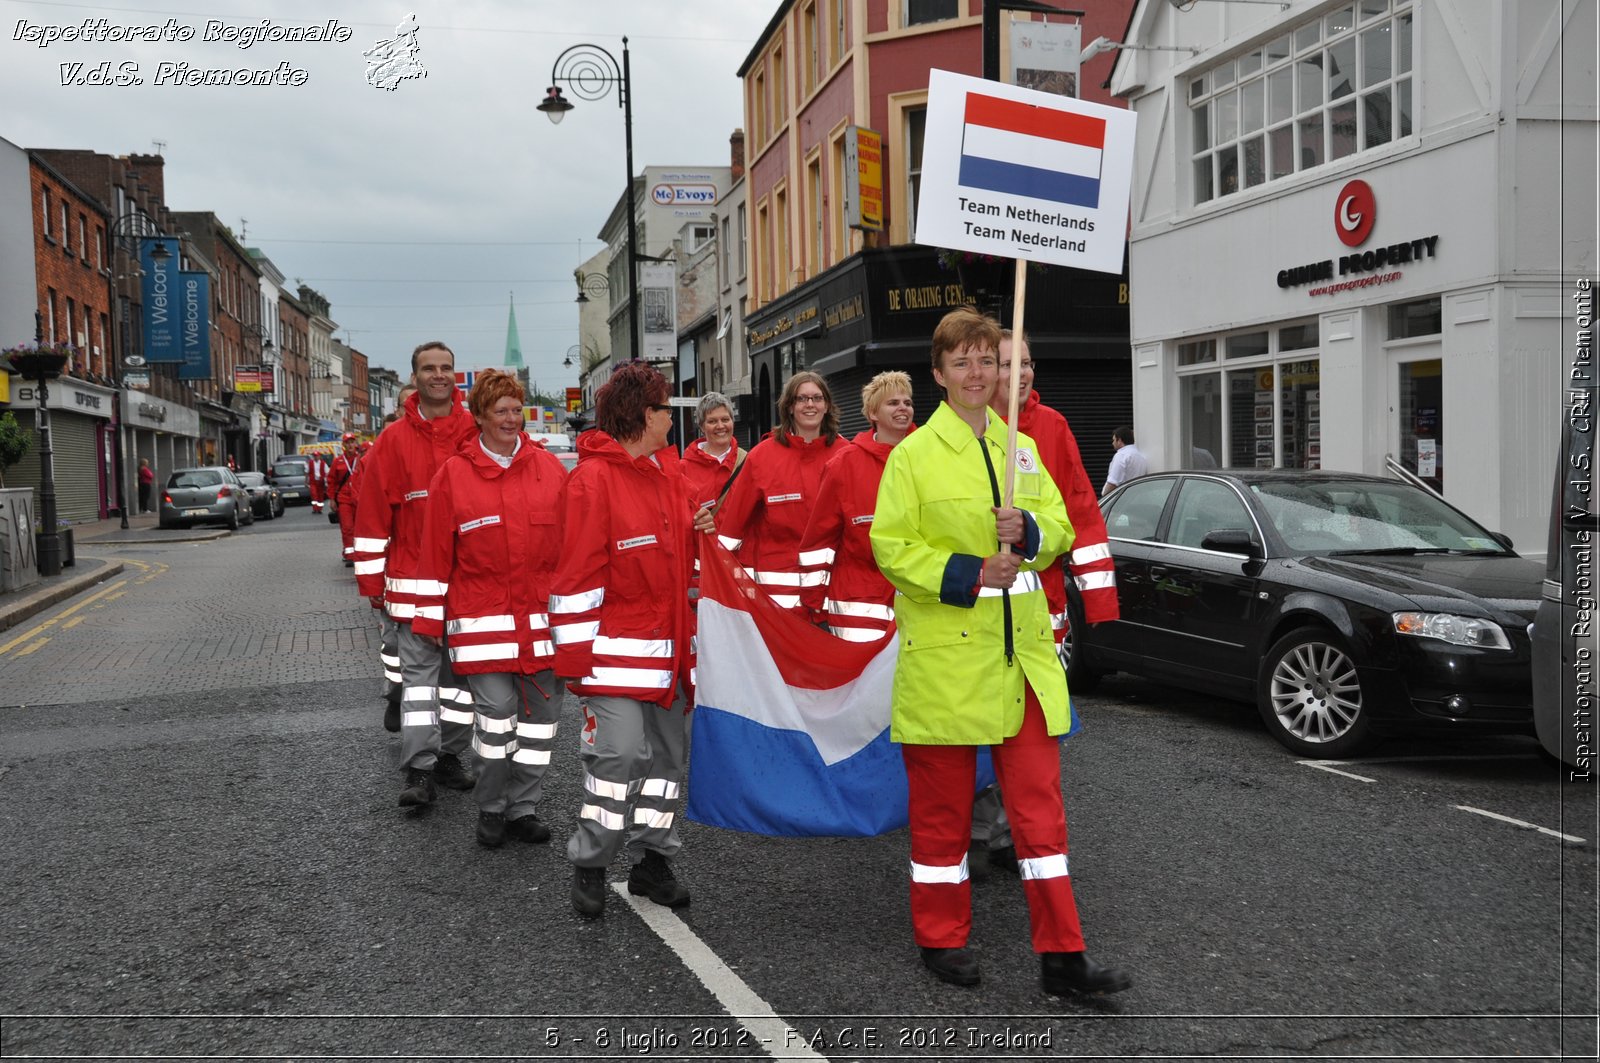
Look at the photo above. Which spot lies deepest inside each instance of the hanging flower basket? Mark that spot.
(42, 361)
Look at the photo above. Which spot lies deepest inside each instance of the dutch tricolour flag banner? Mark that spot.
(1022, 150)
(791, 725)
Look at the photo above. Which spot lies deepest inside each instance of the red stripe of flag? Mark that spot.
(1065, 126)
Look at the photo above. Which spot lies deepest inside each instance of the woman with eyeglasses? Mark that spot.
(765, 512)
(622, 627)
(855, 598)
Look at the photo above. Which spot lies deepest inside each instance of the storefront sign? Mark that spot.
(863, 179)
(839, 313)
(135, 378)
(251, 379)
(1021, 174)
(925, 297)
(799, 321)
(1355, 213)
(65, 394)
(1044, 55)
(148, 412)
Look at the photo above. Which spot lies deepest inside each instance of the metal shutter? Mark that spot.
(76, 467)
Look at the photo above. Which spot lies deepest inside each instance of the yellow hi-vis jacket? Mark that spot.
(933, 527)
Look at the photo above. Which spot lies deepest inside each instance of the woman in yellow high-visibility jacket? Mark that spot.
(978, 664)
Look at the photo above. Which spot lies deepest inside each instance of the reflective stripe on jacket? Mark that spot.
(765, 512)
(394, 496)
(619, 604)
(489, 547)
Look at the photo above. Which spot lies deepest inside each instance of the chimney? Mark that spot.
(736, 154)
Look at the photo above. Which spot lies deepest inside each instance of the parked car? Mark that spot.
(291, 475)
(205, 495)
(1344, 606)
(265, 499)
(1563, 631)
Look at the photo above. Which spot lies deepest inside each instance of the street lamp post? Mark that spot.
(41, 365)
(590, 71)
(265, 359)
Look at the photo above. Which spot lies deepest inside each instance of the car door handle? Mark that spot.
(1157, 572)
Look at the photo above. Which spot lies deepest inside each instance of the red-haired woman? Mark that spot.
(490, 541)
(857, 601)
(622, 626)
(765, 512)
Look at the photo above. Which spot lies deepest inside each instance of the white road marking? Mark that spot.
(1519, 823)
(1323, 765)
(775, 1036)
(1445, 756)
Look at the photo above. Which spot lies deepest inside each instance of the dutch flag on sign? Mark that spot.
(1063, 151)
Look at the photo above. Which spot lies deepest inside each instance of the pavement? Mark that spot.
(90, 569)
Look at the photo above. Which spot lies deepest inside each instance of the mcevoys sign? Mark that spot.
(1355, 216)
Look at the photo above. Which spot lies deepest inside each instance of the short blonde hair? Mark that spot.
(877, 390)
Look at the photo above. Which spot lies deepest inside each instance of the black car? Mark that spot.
(291, 475)
(265, 500)
(1344, 606)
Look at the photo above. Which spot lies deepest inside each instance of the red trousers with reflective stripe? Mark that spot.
(941, 780)
(347, 528)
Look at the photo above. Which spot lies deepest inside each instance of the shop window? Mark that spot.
(1333, 87)
(1201, 396)
(1410, 320)
(1246, 345)
(1297, 337)
(1422, 420)
(1196, 353)
(919, 11)
(1299, 415)
(1250, 418)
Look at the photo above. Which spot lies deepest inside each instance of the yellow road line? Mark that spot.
(35, 646)
(25, 636)
(74, 622)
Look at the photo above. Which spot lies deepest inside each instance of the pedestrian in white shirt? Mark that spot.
(1127, 463)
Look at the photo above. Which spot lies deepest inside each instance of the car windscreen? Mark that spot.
(1357, 516)
(195, 478)
(289, 468)
(252, 479)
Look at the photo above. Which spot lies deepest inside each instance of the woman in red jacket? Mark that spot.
(855, 598)
(765, 512)
(490, 541)
(623, 630)
(709, 461)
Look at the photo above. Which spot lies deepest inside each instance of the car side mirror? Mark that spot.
(1231, 541)
(1502, 538)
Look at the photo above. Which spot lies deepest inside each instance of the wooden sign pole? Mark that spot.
(1014, 379)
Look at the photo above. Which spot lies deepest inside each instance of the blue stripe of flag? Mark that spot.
(1016, 179)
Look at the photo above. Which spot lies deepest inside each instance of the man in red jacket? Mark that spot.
(436, 722)
(1093, 574)
(342, 492)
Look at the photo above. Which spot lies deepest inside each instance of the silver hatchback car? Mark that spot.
(205, 495)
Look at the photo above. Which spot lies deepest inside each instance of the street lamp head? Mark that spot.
(555, 106)
(160, 252)
(580, 299)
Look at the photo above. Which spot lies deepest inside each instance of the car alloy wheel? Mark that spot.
(1310, 695)
(233, 518)
(1080, 677)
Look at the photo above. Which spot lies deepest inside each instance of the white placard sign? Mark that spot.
(1017, 173)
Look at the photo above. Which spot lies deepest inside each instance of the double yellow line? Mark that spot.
(66, 620)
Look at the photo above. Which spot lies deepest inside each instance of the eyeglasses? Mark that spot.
(809, 399)
(661, 407)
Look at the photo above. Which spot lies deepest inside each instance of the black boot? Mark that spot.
(589, 890)
(447, 771)
(391, 715)
(956, 966)
(419, 789)
(1074, 972)
(491, 829)
(978, 861)
(528, 829)
(652, 877)
(1004, 858)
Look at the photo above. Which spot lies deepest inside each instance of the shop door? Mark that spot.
(1416, 414)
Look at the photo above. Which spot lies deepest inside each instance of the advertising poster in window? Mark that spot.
(658, 310)
(863, 179)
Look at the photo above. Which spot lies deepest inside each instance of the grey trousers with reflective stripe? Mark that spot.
(516, 730)
(989, 822)
(389, 654)
(634, 754)
(435, 708)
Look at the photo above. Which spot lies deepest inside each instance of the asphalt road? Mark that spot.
(203, 857)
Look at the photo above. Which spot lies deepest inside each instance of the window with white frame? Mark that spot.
(1252, 399)
(1322, 90)
(916, 127)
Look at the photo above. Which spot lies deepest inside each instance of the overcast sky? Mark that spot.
(419, 211)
